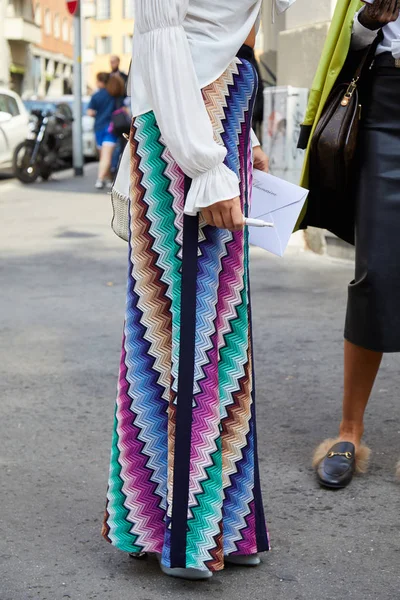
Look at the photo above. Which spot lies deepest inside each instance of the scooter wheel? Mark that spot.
(23, 170)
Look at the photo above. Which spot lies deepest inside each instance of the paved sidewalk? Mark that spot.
(61, 313)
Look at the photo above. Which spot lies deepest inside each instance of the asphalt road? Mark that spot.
(62, 274)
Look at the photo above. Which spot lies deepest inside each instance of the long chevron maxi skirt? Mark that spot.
(184, 479)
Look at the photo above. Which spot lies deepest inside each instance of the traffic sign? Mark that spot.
(72, 6)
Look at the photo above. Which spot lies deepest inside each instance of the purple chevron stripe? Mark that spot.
(234, 513)
(206, 414)
(141, 498)
(248, 543)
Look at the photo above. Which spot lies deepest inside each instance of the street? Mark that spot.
(63, 275)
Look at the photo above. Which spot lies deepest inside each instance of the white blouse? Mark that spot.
(363, 37)
(180, 46)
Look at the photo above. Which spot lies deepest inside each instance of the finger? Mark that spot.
(393, 8)
(208, 217)
(226, 218)
(237, 218)
(218, 220)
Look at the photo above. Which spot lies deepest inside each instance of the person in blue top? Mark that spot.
(102, 105)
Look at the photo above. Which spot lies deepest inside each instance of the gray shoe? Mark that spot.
(181, 573)
(243, 560)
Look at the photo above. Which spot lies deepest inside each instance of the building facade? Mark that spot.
(36, 46)
(18, 32)
(108, 32)
(293, 44)
(52, 62)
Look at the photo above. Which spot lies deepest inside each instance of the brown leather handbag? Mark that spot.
(334, 142)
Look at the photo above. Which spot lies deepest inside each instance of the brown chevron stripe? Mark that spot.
(236, 424)
(152, 291)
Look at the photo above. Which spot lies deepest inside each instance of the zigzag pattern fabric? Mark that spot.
(184, 478)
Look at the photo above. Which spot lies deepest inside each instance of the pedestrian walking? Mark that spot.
(103, 103)
(115, 68)
(184, 479)
(372, 322)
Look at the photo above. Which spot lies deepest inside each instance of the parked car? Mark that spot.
(65, 105)
(14, 121)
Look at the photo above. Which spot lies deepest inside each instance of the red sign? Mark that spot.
(72, 6)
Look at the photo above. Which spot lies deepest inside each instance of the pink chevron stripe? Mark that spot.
(143, 504)
(205, 425)
(176, 188)
(232, 281)
(248, 543)
(250, 173)
(232, 452)
(206, 416)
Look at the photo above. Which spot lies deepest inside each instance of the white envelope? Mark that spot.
(279, 202)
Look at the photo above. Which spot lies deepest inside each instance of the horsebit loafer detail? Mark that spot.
(337, 468)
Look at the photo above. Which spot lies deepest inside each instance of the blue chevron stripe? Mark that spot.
(240, 493)
(146, 393)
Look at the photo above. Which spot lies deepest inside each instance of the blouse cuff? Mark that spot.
(216, 185)
(254, 139)
(362, 36)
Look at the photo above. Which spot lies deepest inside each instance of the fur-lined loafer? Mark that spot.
(336, 461)
(337, 467)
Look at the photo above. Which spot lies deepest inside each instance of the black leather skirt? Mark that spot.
(373, 312)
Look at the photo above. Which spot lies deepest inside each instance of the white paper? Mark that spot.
(279, 202)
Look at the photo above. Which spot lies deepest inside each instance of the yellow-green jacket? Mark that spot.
(331, 64)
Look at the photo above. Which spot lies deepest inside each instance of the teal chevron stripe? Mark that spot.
(120, 528)
(161, 216)
(158, 171)
(233, 356)
(206, 516)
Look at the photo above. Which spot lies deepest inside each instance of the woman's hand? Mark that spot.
(260, 159)
(226, 214)
(380, 13)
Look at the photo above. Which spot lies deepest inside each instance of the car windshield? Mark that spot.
(40, 105)
(31, 105)
(85, 105)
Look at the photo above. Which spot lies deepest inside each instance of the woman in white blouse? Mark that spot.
(184, 480)
(373, 321)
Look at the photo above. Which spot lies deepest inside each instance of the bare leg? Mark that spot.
(360, 370)
(105, 161)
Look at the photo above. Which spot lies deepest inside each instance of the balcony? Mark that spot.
(18, 29)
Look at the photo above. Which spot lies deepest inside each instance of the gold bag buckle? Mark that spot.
(350, 91)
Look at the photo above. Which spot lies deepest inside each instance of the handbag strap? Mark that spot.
(369, 53)
(367, 60)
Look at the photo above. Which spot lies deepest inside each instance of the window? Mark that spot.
(47, 22)
(65, 30)
(128, 40)
(38, 14)
(129, 8)
(57, 29)
(103, 45)
(103, 9)
(8, 105)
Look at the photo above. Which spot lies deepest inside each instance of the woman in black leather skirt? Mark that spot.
(373, 313)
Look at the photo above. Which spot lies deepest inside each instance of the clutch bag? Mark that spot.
(120, 198)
